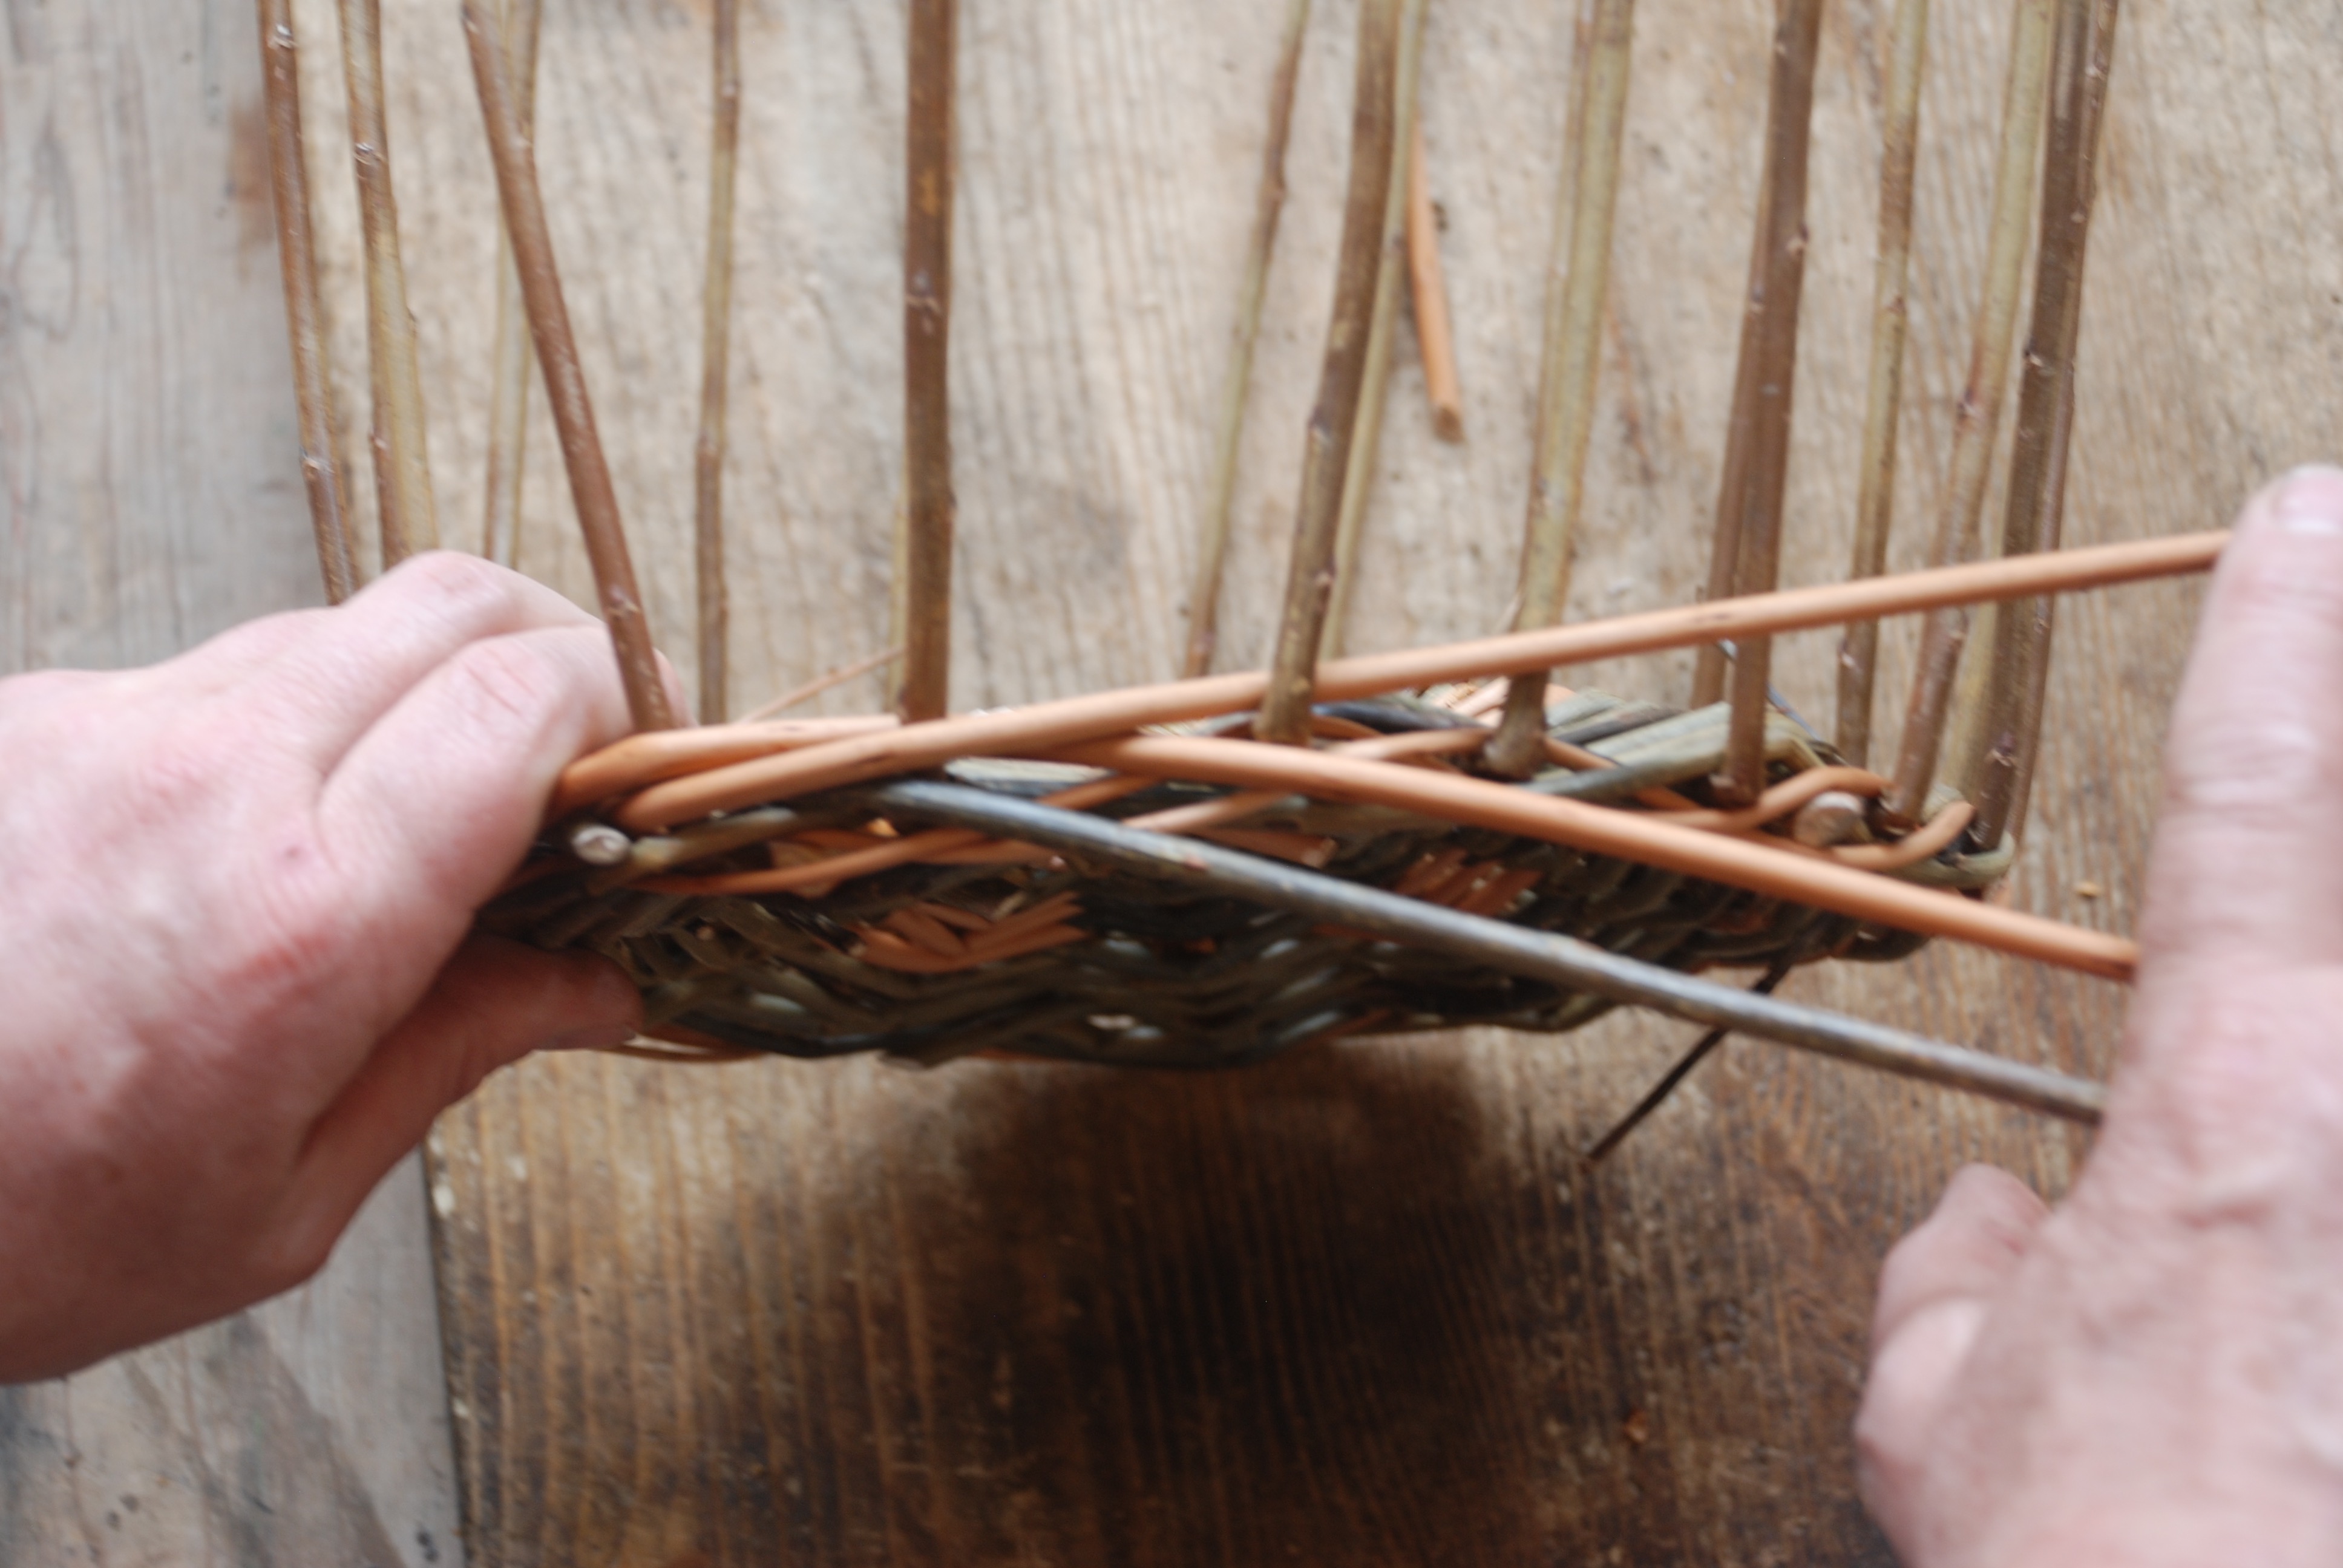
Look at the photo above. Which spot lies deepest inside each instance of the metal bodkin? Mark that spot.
(599, 844)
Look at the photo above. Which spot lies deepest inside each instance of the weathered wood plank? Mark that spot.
(1360, 1305)
(152, 496)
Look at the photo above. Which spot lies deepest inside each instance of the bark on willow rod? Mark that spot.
(514, 362)
(1285, 709)
(402, 466)
(926, 541)
(1366, 439)
(707, 451)
(1979, 420)
(1875, 509)
(297, 256)
(1578, 284)
(2010, 727)
(565, 379)
(1771, 334)
(1269, 202)
(1435, 338)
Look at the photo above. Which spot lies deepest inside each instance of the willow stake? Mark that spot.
(1979, 418)
(927, 518)
(1578, 285)
(514, 362)
(1212, 556)
(1435, 338)
(296, 256)
(707, 452)
(2010, 727)
(1770, 332)
(1366, 440)
(1874, 511)
(402, 468)
(1334, 419)
(565, 380)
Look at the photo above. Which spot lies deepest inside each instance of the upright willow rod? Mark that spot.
(296, 257)
(565, 380)
(1578, 283)
(1771, 336)
(1875, 507)
(2009, 729)
(514, 361)
(402, 466)
(1333, 418)
(1366, 439)
(1979, 420)
(1269, 202)
(708, 450)
(925, 551)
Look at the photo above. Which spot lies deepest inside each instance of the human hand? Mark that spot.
(2153, 1374)
(239, 981)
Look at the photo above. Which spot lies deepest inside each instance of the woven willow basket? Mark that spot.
(1222, 867)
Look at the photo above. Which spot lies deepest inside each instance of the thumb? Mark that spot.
(1936, 1291)
(492, 1004)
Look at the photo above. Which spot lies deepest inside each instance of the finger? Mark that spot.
(1934, 1293)
(1980, 1232)
(495, 1002)
(435, 804)
(2249, 854)
(323, 677)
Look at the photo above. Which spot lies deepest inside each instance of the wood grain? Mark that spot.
(150, 476)
(1360, 1305)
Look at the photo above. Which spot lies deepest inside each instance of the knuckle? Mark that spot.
(457, 582)
(506, 681)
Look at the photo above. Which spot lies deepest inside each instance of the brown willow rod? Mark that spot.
(731, 768)
(1979, 418)
(2010, 729)
(1334, 419)
(402, 466)
(565, 380)
(1775, 317)
(1875, 507)
(514, 362)
(1517, 950)
(1366, 438)
(1578, 286)
(296, 257)
(926, 525)
(708, 450)
(1435, 335)
(1269, 202)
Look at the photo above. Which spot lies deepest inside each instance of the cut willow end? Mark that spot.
(1366, 438)
(1771, 336)
(1269, 202)
(2009, 727)
(565, 379)
(1436, 338)
(296, 256)
(402, 465)
(926, 541)
(708, 450)
(1859, 659)
(1979, 420)
(1285, 709)
(1578, 286)
(513, 361)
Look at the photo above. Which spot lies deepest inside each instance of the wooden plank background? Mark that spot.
(152, 497)
(1360, 1305)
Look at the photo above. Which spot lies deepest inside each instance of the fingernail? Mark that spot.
(2311, 501)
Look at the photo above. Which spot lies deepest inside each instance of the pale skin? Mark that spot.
(240, 985)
